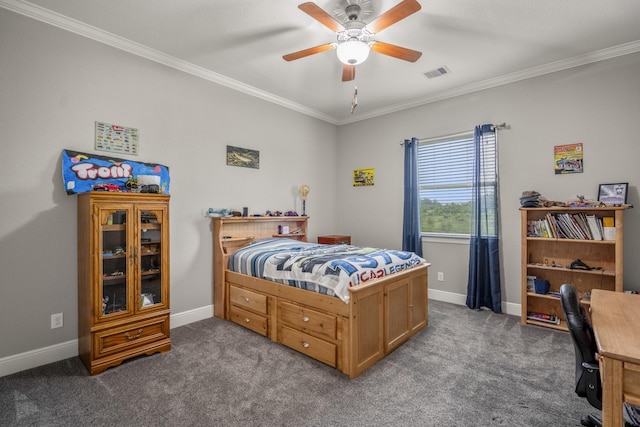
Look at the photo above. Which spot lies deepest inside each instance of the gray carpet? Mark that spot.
(468, 368)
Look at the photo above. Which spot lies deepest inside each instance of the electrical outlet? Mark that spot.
(56, 321)
(440, 276)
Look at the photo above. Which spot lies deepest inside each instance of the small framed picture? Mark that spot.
(613, 194)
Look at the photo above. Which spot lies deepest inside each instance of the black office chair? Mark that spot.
(587, 369)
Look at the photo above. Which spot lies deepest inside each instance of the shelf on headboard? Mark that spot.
(239, 232)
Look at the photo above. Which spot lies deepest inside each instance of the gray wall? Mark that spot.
(53, 86)
(596, 104)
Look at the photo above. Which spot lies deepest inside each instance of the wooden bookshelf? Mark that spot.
(549, 258)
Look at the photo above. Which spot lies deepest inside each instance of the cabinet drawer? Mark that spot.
(314, 347)
(132, 335)
(249, 320)
(248, 299)
(307, 320)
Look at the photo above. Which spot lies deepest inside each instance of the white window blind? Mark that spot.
(445, 177)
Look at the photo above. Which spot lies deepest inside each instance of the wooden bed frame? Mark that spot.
(381, 314)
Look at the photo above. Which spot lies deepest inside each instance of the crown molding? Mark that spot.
(64, 22)
(576, 61)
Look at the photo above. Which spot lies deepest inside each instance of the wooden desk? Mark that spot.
(616, 323)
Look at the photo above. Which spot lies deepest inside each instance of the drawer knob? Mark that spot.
(305, 344)
(246, 299)
(247, 320)
(130, 337)
(305, 319)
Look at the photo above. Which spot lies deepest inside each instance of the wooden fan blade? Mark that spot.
(307, 52)
(396, 51)
(317, 13)
(348, 72)
(393, 15)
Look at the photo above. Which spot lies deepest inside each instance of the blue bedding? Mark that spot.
(326, 269)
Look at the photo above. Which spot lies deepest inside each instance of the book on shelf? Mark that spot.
(544, 318)
(608, 228)
(578, 226)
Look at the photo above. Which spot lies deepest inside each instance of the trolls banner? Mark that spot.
(82, 172)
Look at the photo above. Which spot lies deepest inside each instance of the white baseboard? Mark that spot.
(42, 356)
(444, 296)
(190, 316)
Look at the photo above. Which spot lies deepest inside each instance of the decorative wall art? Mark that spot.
(243, 157)
(613, 194)
(363, 177)
(568, 158)
(116, 139)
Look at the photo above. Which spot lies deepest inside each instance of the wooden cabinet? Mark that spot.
(123, 277)
(407, 299)
(547, 254)
(334, 240)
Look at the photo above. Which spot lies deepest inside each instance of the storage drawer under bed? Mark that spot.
(307, 320)
(311, 346)
(258, 324)
(248, 299)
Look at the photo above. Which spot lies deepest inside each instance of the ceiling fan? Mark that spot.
(354, 36)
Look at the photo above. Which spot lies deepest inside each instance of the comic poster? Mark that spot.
(568, 158)
(363, 177)
(82, 172)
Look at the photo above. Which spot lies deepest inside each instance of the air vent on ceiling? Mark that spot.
(440, 71)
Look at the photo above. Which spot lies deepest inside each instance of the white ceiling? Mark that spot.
(240, 43)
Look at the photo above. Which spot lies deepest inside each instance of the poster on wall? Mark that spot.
(568, 158)
(82, 172)
(116, 139)
(243, 157)
(363, 177)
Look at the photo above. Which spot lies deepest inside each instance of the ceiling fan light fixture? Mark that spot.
(353, 52)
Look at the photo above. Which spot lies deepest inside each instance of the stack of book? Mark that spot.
(577, 225)
(544, 318)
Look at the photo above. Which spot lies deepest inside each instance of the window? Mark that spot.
(445, 176)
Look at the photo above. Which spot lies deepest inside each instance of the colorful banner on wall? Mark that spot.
(82, 172)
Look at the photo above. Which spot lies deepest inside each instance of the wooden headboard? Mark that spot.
(231, 234)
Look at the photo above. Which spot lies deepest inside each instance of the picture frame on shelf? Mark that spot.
(613, 194)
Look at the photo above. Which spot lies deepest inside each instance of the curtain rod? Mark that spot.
(501, 126)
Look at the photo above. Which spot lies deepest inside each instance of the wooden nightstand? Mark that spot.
(334, 240)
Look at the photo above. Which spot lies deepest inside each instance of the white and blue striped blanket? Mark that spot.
(326, 269)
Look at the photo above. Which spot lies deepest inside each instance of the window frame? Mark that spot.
(466, 136)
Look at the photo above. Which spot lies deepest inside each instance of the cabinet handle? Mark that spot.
(247, 320)
(305, 319)
(129, 337)
(305, 344)
(246, 299)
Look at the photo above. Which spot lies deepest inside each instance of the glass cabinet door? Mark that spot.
(115, 268)
(152, 256)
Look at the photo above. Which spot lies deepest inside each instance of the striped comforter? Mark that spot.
(326, 269)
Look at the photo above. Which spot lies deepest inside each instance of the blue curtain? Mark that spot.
(483, 286)
(411, 221)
